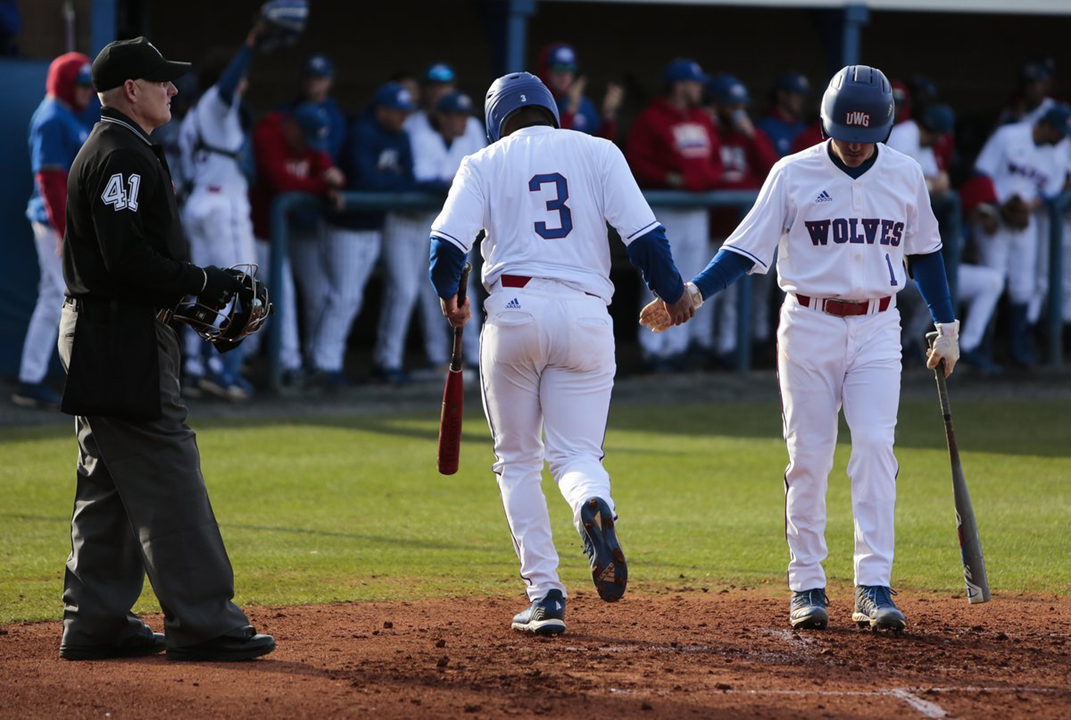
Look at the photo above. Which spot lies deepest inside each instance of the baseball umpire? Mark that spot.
(141, 506)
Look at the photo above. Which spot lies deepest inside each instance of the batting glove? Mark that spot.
(944, 345)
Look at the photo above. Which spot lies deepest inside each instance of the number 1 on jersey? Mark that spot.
(565, 215)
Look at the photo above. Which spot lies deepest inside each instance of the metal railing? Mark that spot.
(947, 209)
(1058, 208)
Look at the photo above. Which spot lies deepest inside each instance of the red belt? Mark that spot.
(520, 281)
(842, 308)
(514, 280)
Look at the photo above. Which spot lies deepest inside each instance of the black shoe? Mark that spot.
(608, 568)
(808, 609)
(546, 616)
(240, 644)
(144, 642)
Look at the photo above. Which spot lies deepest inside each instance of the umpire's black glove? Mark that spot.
(220, 286)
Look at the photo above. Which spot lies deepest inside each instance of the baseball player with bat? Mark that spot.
(843, 217)
(543, 196)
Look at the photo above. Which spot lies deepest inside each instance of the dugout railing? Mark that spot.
(947, 210)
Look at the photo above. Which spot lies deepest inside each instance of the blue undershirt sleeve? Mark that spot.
(726, 268)
(447, 262)
(652, 255)
(236, 70)
(932, 280)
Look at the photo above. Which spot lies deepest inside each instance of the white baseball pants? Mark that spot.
(689, 236)
(1014, 254)
(547, 368)
(220, 232)
(43, 330)
(285, 301)
(406, 284)
(332, 268)
(826, 363)
(979, 290)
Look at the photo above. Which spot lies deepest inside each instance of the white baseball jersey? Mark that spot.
(838, 237)
(905, 137)
(212, 123)
(432, 160)
(1019, 166)
(554, 195)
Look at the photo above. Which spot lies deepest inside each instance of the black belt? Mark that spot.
(163, 315)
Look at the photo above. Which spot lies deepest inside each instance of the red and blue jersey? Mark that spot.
(56, 134)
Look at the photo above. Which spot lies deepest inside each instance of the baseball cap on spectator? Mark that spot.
(793, 82)
(938, 119)
(725, 89)
(84, 78)
(394, 96)
(318, 66)
(438, 72)
(682, 69)
(455, 102)
(561, 58)
(1058, 116)
(135, 59)
(313, 121)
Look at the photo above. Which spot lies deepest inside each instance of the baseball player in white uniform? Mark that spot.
(843, 216)
(216, 215)
(1027, 162)
(543, 196)
(978, 286)
(440, 137)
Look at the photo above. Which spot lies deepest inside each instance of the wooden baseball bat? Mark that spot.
(970, 545)
(453, 397)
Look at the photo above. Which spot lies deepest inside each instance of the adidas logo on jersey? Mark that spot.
(824, 197)
(513, 304)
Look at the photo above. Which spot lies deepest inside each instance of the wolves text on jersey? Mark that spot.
(856, 231)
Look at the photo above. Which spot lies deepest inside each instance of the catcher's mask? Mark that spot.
(243, 314)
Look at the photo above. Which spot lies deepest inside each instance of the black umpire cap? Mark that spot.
(135, 59)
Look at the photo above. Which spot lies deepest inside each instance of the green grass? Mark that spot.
(331, 509)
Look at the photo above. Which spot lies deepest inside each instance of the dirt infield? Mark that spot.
(723, 652)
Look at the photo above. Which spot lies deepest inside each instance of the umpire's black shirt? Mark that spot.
(124, 238)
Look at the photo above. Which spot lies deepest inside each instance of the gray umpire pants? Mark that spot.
(141, 507)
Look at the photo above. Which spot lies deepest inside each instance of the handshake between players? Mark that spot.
(659, 316)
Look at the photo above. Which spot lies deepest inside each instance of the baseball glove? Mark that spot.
(1015, 213)
(284, 21)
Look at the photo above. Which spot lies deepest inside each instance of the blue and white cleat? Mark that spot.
(874, 607)
(608, 568)
(808, 610)
(546, 616)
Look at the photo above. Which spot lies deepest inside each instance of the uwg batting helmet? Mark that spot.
(512, 92)
(244, 314)
(858, 105)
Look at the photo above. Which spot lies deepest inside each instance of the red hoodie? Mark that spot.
(280, 169)
(746, 161)
(60, 84)
(666, 140)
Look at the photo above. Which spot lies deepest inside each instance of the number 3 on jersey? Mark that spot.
(119, 196)
(565, 216)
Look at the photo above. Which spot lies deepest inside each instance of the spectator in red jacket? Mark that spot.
(291, 155)
(746, 158)
(673, 145)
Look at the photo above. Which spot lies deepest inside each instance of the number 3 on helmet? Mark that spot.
(512, 92)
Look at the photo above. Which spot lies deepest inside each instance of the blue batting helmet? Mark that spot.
(858, 105)
(512, 92)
